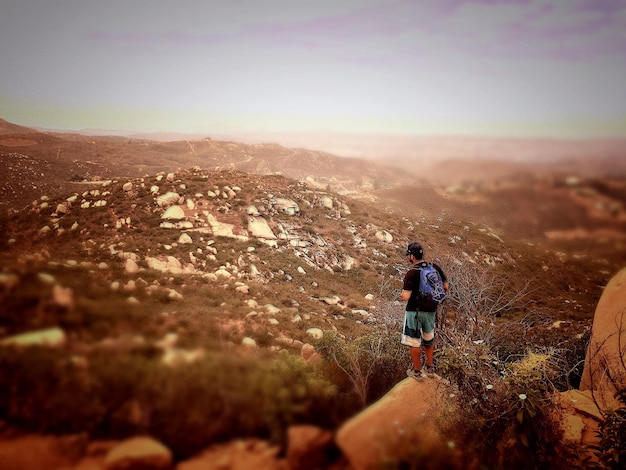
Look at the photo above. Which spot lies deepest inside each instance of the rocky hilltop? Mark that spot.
(34, 163)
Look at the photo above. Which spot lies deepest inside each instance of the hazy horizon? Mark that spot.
(427, 148)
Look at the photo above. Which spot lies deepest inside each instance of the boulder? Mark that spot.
(408, 417)
(131, 266)
(605, 357)
(384, 236)
(139, 452)
(237, 455)
(287, 206)
(51, 337)
(167, 199)
(185, 239)
(315, 333)
(580, 417)
(259, 228)
(63, 297)
(309, 447)
(174, 213)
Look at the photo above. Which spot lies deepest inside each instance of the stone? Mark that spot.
(168, 199)
(315, 333)
(222, 272)
(131, 267)
(46, 278)
(244, 289)
(248, 342)
(259, 228)
(63, 297)
(381, 431)
(307, 351)
(384, 236)
(9, 281)
(127, 186)
(184, 239)
(252, 210)
(50, 337)
(173, 213)
(272, 309)
(287, 206)
(237, 455)
(139, 452)
(309, 447)
(174, 295)
(334, 300)
(62, 209)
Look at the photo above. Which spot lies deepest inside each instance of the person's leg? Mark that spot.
(411, 337)
(416, 354)
(427, 321)
(429, 351)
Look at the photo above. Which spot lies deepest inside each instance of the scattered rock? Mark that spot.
(309, 447)
(315, 333)
(131, 267)
(248, 342)
(173, 213)
(139, 452)
(50, 337)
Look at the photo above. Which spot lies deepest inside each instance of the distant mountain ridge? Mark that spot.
(34, 162)
(10, 128)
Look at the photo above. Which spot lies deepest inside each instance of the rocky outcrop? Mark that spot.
(408, 417)
(604, 371)
(580, 417)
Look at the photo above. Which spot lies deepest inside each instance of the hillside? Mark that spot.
(33, 163)
(239, 282)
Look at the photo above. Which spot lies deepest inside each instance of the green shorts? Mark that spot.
(416, 325)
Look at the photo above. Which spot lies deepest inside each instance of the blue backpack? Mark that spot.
(431, 292)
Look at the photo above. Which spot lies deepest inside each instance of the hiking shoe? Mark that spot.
(424, 371)
(413, 373)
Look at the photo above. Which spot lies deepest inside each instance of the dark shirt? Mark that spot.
(412, 283)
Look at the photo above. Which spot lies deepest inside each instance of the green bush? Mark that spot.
(611, 450)
(372, 363)
(188, 407)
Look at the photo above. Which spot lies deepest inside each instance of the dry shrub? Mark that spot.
(187, 407)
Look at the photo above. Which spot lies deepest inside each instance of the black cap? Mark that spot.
(415, 249)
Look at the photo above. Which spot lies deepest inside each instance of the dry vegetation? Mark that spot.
(510, 283)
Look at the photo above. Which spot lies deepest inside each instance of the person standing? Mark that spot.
(419, 318)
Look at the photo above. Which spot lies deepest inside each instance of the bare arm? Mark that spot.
(405, 295)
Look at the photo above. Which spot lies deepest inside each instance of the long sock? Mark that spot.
(415, 357)
(428, 352)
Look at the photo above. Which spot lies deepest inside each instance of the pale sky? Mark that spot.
(419, 67)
